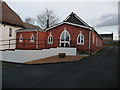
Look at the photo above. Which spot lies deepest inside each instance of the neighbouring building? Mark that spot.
(72, 32)
(107, 38)
(30, 26)
(9, 23)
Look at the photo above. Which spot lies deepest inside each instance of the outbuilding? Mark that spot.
(10, 21)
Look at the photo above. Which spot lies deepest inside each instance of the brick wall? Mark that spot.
(26, 44)
(56, 32)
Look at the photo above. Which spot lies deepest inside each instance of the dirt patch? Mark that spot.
(55, 59)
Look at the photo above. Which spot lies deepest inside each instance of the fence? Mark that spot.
(7, 44)
(22, 56)
(13, 43)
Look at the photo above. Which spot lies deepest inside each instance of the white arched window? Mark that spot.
(80, 39)
(20, 38)
(32, 38)
(50, 39)
(65, 38)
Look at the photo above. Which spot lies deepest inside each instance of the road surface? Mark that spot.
(96, 71)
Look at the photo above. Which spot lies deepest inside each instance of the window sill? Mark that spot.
(80, 44)
(32, 41)
(50, 43)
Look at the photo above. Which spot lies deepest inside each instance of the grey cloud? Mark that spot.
(108, 20)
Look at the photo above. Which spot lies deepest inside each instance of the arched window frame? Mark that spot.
(32, 38)
(65, 31)
(80, 35)
(50, 39)
(21, 38)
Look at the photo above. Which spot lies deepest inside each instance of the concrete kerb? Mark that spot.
(14, 63)
(23, 56)
(53, 62)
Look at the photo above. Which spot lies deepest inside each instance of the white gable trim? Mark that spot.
(81, 20)
(78, 19)
(67, 18)
(69, 24)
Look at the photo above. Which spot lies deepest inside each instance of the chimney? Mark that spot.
(47, 23)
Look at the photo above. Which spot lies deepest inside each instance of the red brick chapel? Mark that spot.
(72, 32)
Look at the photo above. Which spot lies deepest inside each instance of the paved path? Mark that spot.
(96, 71)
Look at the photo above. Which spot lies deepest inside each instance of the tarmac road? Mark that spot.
(96, 71)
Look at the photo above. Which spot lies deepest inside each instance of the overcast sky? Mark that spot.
(102, 15)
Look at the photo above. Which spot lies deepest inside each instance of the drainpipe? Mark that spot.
(36, 39)
(89, 47)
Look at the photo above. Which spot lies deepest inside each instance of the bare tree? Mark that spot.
(30, 20)
(47, 19)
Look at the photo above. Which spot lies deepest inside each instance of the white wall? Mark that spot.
(4, 30)
(22, 56)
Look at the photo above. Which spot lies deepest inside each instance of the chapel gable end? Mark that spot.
(73, 18)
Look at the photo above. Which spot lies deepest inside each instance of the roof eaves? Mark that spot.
(79, 25)
(90, 28)
(97, 33)
(6, 23)
(28, 30)
(54, 26)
